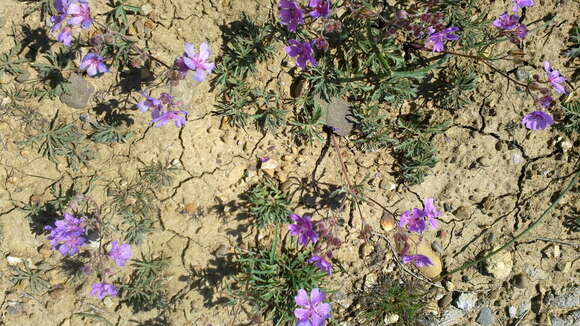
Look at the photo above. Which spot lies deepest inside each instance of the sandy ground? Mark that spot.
(491, 180)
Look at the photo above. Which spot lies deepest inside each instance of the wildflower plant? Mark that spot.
(270, 278)
(267, 203)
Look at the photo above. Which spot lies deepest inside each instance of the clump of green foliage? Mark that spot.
(267, 203)
(146, 287)
(571, 121)
(387, 298)
(270, 278)
(32, 276)
(413, 147)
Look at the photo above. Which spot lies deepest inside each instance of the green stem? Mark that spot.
(519, 236)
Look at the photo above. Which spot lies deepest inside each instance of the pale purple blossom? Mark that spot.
(302, 50)
(521, 31)
(161, 118)
(537, 120)
(149, 103)
(303, 229)
(554, 78)
(93, 64)
(311, 310)
(321, 263)
(437, 39)
(321, 8)
(520, 4)
(419, 260)
(431, 212)
(67, 234)
(414, 220)
(506, 22)
(197, 62)
(290, 14)
(65, 36)
(121, 254)
(101, 290)
(79, 13)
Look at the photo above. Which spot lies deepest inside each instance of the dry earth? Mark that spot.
(494, 176)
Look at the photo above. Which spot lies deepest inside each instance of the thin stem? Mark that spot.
(519, 236)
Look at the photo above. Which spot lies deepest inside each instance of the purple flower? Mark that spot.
(121, 254)
(93, 64)
(437, 39)
(311, 311)
(197, 62)
(80, 14)
(537, 120)
(101, 290)
(546, 101)
(431, 212)
(303, 229)
(414, 220)
(419, 260)
(506, 22)
(65, 36)
(522, 31)
(67, 234)
(554, 78)
(321, 8)
(149, 102)
(520, 4)
(290, 14)
(161, 118)
(321, 263)
(303, 51)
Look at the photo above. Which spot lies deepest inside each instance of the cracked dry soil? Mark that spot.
(492, 179)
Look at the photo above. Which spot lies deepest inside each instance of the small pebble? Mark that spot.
(485, 316)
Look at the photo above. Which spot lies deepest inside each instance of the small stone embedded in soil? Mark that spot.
(500, 265)
(571, 319)
(80, 92)
(462, 212)
(568, 298)
(391, 319)
(485, 316)
(146, 9)
(435, 245)
(335, 115)
(466, 301)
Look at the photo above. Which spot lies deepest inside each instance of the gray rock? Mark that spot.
(572, 319)
(485, 316)
(450, 317)
(80, 92)
(436, 246)
(569, 298)
(466, 301)
(512, 312)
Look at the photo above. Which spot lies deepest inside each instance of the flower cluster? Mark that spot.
(304, 229)
(416, 220)
(510, 24)
(292, 15)
(120, 254)
(71, 13)
(436, 40)
(197, 62)
(311, 310)
(67, 235)
(162, 110)
(539, 120)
